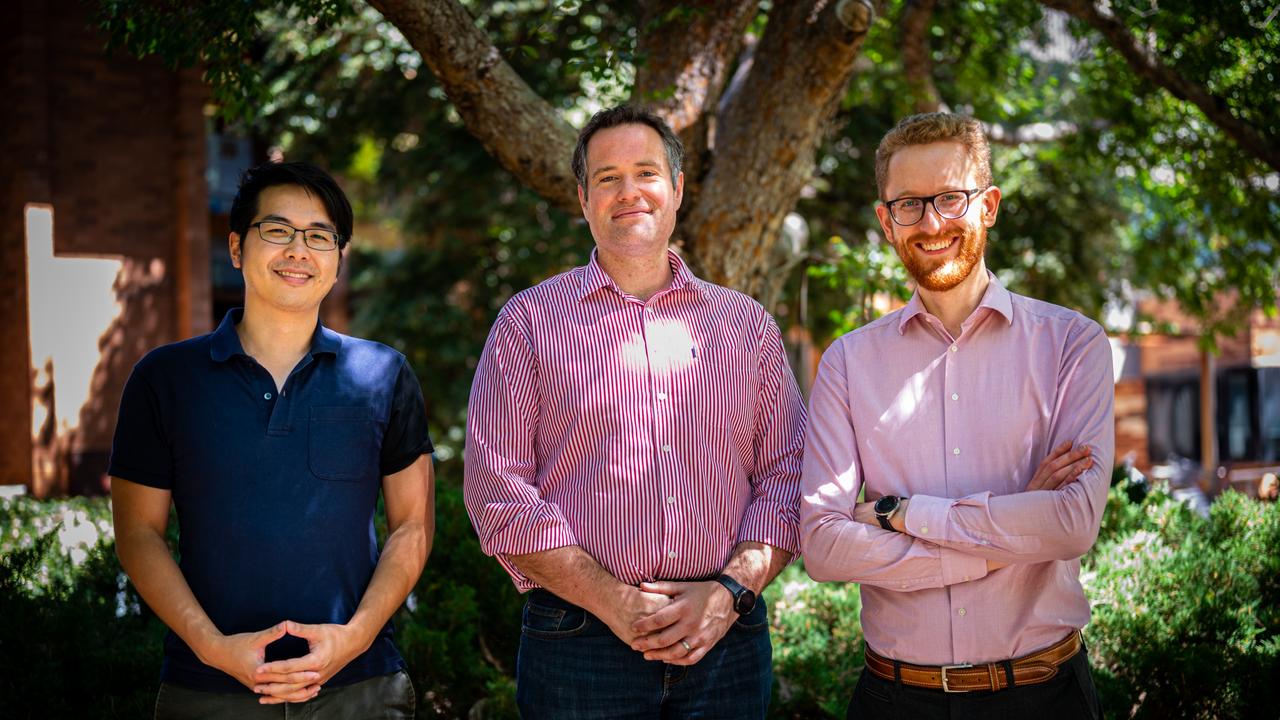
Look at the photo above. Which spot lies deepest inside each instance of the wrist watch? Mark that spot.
(885, 509)
(744, 600)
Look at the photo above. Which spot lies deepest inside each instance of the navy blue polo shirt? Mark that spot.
(275, 491)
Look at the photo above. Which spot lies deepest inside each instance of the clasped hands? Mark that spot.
(243, 655)
(675, 622)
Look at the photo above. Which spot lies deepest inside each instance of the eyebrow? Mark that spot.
(280, 218)
(641, 163)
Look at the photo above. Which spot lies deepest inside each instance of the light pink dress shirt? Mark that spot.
(655, 435)
(959, 425)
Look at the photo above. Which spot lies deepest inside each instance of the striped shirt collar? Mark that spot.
(594, 277)
(996, 297)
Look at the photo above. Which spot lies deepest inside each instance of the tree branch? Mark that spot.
(768, 134)
(917, 65)
(1147, 64)
(513, 122)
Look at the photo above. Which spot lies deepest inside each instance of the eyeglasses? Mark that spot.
(278, 233)
(950, 205)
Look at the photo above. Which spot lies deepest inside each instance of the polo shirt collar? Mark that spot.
(225, 342)
(595, 277)
(997, 298)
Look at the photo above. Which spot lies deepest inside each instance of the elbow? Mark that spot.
(818, 570)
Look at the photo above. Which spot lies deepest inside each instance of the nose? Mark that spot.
(628, 190)
(931, 222)
(297, 247)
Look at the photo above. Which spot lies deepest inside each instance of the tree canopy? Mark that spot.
(1136, 142)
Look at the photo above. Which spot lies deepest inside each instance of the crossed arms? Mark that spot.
(141, 516)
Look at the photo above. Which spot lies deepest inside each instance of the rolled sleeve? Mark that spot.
(500, 468)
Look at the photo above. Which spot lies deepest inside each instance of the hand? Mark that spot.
(240, 655)
(700, 614)
(330, 647)
(1062, 466)
(632, 605)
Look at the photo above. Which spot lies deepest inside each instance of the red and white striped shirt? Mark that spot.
(655, 435)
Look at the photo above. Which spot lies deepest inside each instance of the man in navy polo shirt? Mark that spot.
(272, 437)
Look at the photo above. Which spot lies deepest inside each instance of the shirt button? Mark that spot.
(671, 554)
(666, 448)
(954, 348)
(955, 396)
(662, 396)
(924, 529)
(960, 612)
(671, 500)
(266, 396)
(955, 451)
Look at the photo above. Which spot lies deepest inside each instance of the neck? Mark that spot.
(642, 277)
(271, 336)
(954, 306)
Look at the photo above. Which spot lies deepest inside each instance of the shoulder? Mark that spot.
(1063, 322)
(868, 337)
(369, 357)
(179, 357)
(557, 291)
(734, 307)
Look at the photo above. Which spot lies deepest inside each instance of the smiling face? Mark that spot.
(293, 277)
(630, 200)
(940, 253)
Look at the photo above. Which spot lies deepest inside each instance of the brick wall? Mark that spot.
(116, 147)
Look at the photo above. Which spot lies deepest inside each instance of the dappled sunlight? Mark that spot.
(909, 397)
(666, 343)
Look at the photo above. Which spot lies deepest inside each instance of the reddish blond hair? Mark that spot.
(930, 128)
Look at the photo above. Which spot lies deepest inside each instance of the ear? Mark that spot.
(886, 223)
(679, 190)
(990, 205)
(582, 200)
(233, 245)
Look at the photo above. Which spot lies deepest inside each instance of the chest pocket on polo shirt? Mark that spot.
(341, 444)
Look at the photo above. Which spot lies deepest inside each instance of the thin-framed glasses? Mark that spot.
(278, 233)
(950, 204)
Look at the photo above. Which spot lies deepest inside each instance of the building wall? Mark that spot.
(116, 147)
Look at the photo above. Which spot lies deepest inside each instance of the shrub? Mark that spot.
(817, 644)
(1186, 611)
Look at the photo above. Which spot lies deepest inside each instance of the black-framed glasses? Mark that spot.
(949, 204)
(278, 233)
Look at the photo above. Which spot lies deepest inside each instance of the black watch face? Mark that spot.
(886, 503)
(745, 602)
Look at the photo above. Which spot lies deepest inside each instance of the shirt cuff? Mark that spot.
(927, 517)
(958, 567)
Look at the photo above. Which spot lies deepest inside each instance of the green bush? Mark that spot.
(1186, 610)
(1186, 617)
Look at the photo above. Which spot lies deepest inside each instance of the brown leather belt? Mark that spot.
(1029, 670)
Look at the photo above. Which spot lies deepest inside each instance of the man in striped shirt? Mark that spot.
(633, 455)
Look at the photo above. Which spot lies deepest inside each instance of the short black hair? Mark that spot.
(315, 181)
(627, 115)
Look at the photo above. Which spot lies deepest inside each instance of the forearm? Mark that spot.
(573, 575)
(754, 565)
(839, 548)
(145, 557)
(399, 567)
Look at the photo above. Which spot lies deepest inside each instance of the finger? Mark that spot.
(1068, 472)
(693, 657)
(300, 664)
(302, 630)
(1057, 459)
(670, 653)
(280, 689)
(664, 618)
(297, 678)
(1073, 473)
(303, 695)
(1048, 474)
(268, 636)
(658, 641)
(670, 589)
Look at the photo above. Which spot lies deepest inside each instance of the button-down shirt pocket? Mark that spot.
(341, 445)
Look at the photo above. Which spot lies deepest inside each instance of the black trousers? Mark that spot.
(1069, 695)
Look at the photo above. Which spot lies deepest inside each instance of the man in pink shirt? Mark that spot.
(979, 423)
(633, 458)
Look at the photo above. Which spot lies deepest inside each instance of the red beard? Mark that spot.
(942, 274)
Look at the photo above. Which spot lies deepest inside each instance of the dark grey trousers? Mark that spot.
(389, 696)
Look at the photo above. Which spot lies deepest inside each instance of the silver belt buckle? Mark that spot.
(945, 668)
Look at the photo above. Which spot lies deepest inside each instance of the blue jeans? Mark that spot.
(572, 667)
